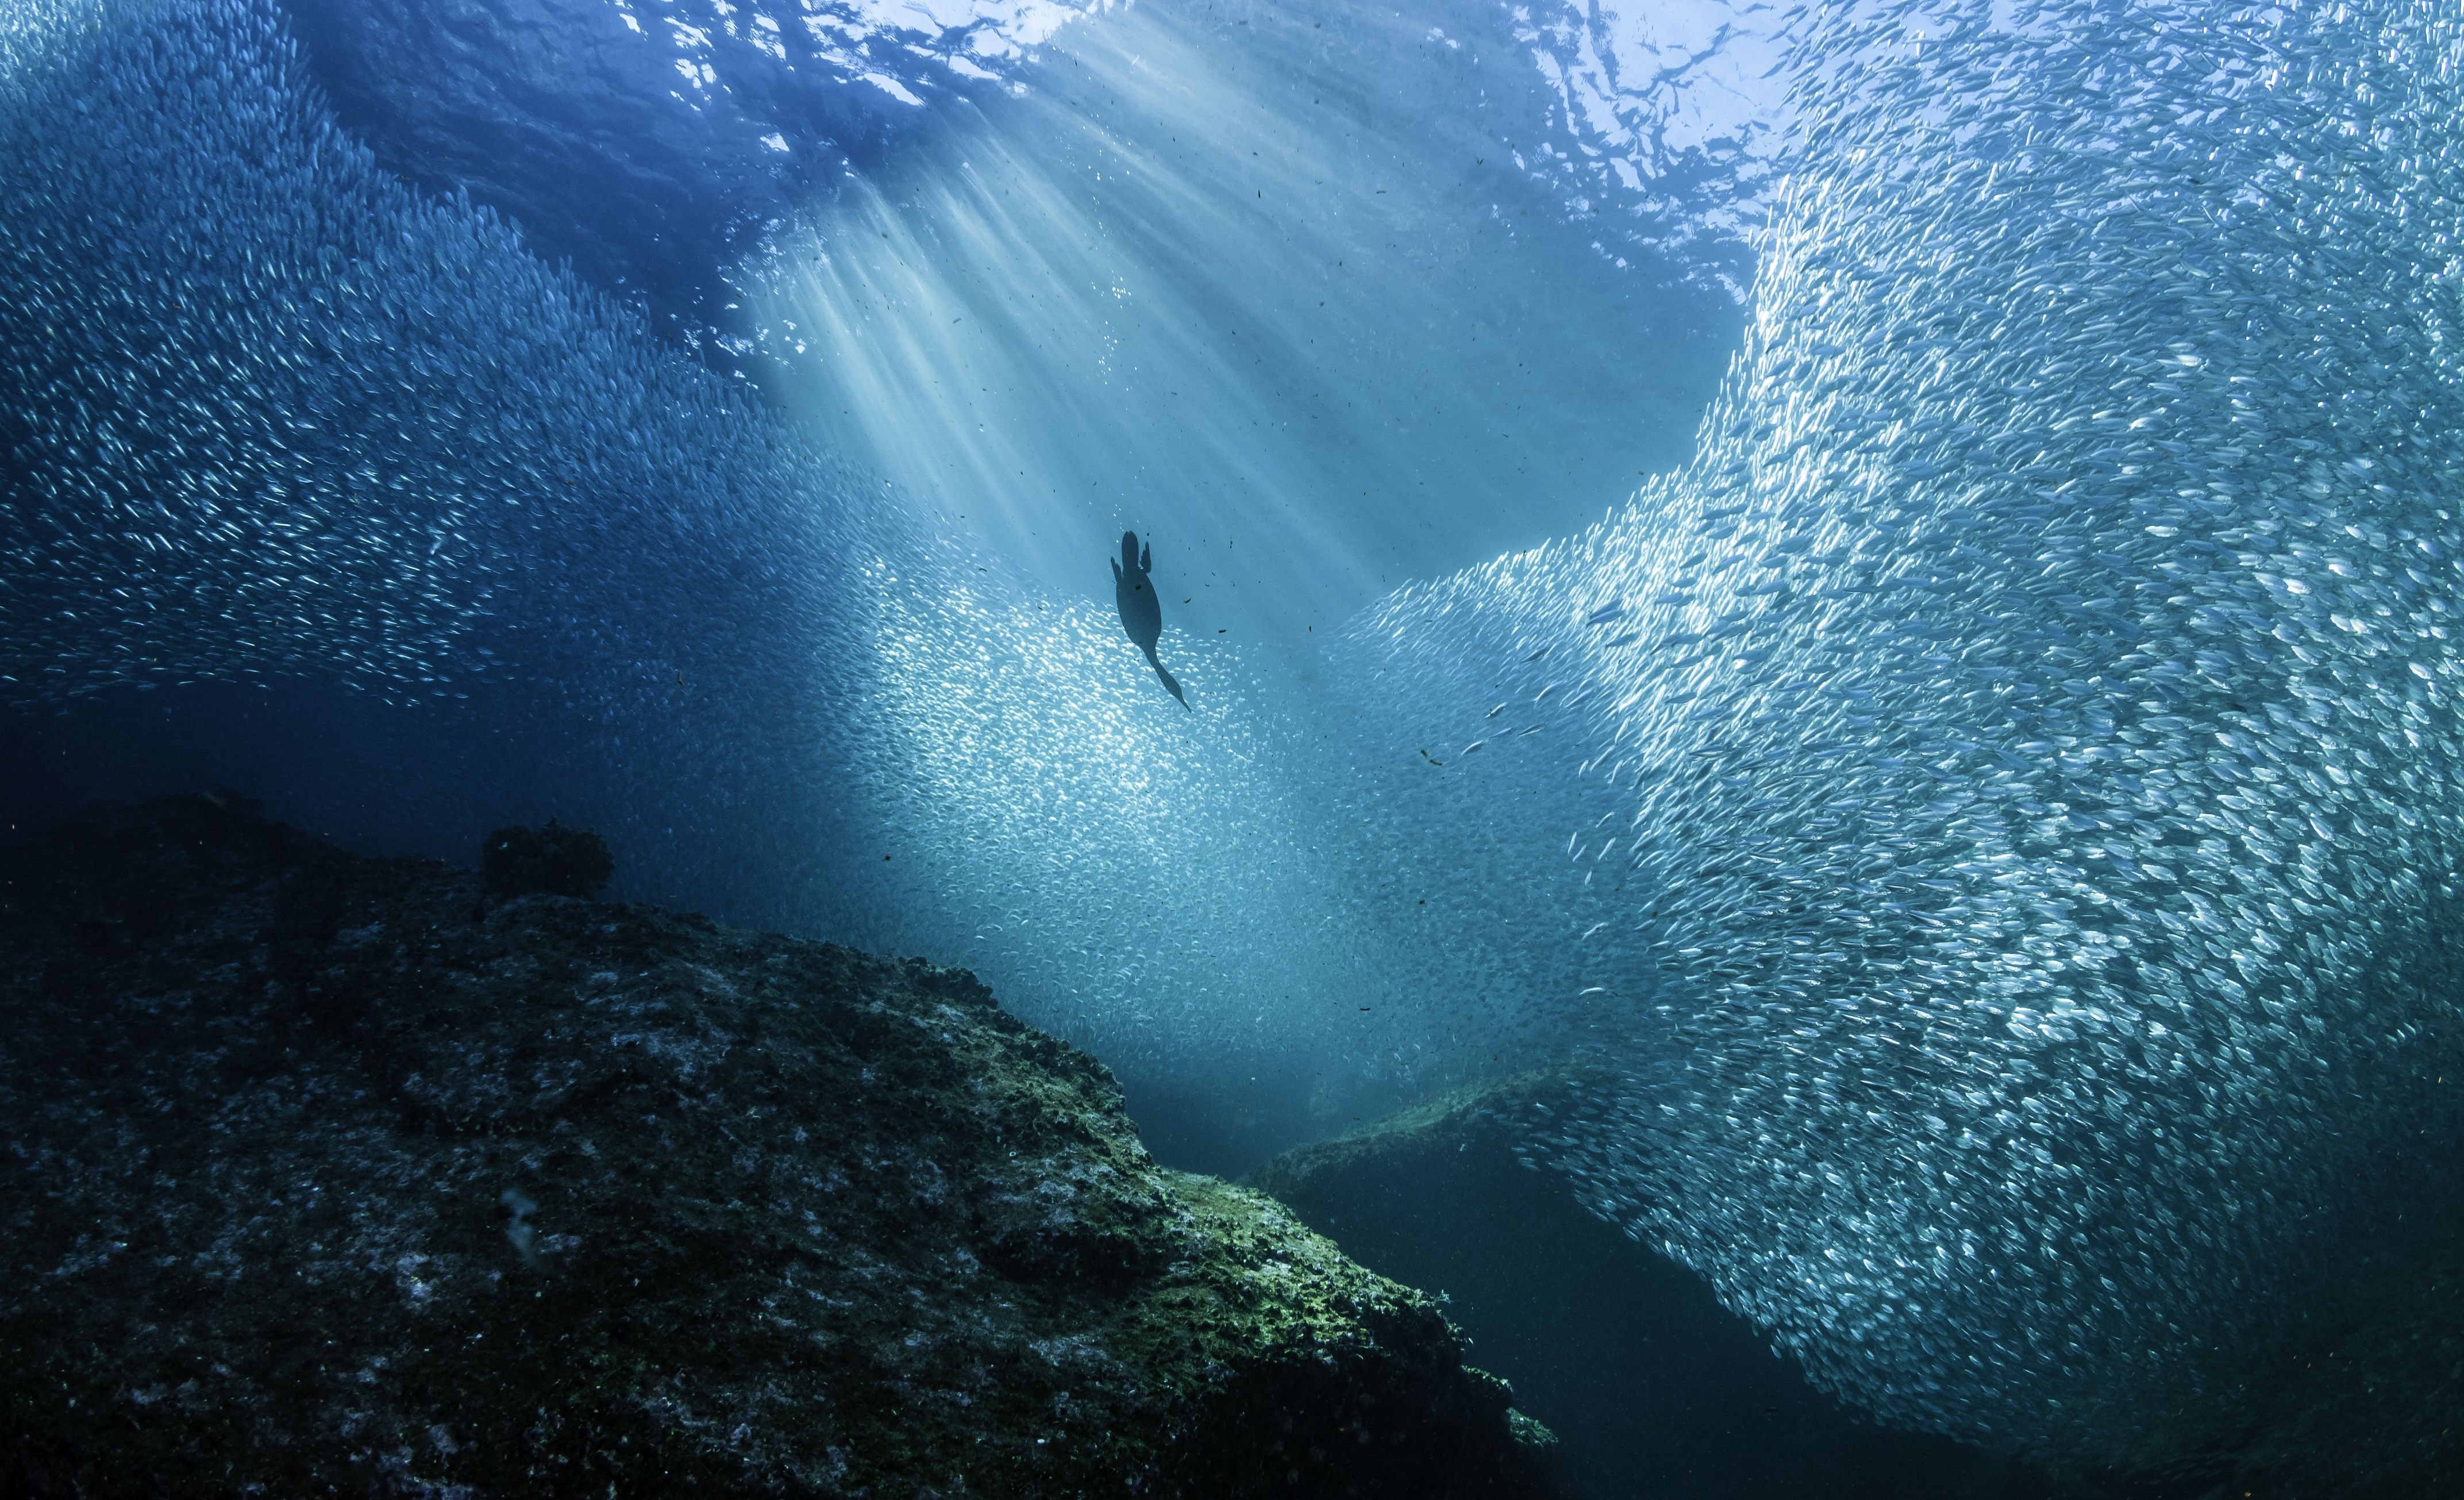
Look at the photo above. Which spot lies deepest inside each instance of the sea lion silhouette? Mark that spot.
(1141, 611)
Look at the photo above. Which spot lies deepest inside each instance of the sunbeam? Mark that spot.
(1200, 276)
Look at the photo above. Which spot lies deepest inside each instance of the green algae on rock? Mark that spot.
(324, 1176)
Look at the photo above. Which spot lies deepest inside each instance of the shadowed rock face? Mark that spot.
(321, 1173)
(1654, 1388)
(550, 861)
(1657, 1389)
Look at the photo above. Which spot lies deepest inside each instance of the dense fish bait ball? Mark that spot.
(271, 413)
(2035, 711)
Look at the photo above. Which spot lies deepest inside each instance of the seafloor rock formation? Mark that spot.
(322, 1174)
(1657, 1389)
(1654, 1388)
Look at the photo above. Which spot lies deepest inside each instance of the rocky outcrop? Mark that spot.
(321, 1174)
(1654, 1387)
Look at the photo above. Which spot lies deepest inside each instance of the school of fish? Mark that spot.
(2032, 717)
(271, 412)
(275, 415)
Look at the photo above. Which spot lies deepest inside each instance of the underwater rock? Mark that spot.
(1492, 1118)
(322, 1175)
(550, 861)
(1651, 1385)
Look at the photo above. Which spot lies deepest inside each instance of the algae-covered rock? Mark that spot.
(319, 1175)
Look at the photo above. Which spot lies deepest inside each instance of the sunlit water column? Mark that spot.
(1273, 287)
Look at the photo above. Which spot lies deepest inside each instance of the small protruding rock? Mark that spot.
(550, 861)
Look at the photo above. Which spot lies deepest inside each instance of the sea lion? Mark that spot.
(1133, 593)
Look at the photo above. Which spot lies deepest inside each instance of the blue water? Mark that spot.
(1881, 576)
